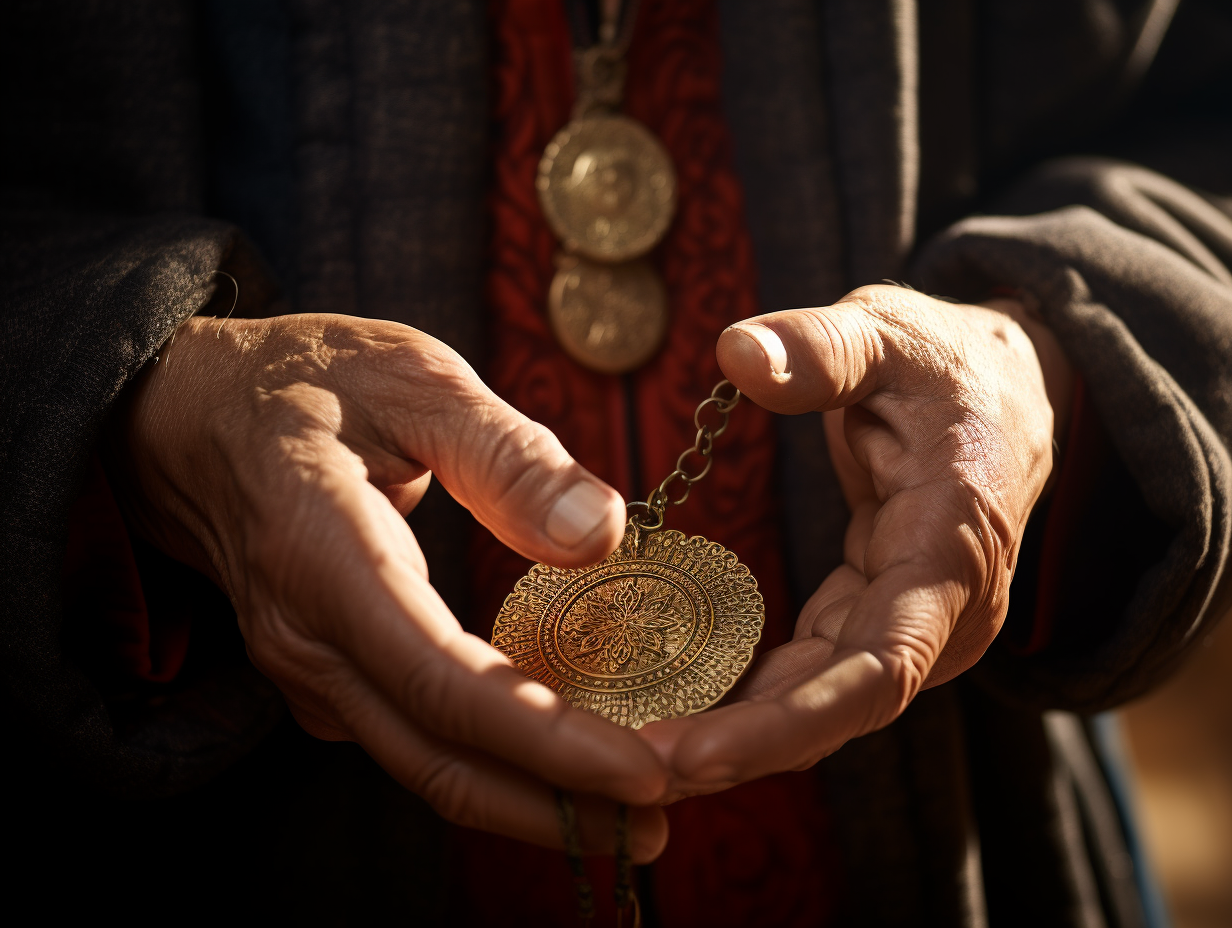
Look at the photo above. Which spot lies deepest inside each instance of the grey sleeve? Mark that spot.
(87, 300)
(1131, 272)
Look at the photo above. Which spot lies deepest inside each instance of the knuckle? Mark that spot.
(996, 533)
(310, 672)
(873, 294)
(428, 692)
(518, 456)
(433, 364)
(1095, 176)
(902, 326)
(886, 303)
(906, 666)
(444, 784)
(408, 369)
(443, 386)
(317, 721)
(1010, 334)
(850, 347)
(985, 555)
(966, 541)
(273, 645)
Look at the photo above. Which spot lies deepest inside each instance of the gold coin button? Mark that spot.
(607, 188)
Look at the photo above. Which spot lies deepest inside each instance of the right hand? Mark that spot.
(281, 456)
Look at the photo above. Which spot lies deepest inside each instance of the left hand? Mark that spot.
(940, 424)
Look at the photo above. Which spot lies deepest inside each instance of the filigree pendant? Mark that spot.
(663, 627)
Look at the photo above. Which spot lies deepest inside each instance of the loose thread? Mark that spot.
(218, 332)
(906, 286)
(234, 302)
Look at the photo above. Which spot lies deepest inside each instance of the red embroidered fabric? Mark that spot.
(760, 853)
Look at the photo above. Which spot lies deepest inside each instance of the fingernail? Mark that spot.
(769, 343)
(578, 512)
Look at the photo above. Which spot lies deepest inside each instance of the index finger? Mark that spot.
(403, 638)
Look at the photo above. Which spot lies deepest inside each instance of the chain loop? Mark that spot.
(650, 515)
(652, 521)
(700, 452)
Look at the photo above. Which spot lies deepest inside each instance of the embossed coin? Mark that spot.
(661, 628)
(609, 317)
(607, 188)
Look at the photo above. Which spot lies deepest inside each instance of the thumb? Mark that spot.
(511, 472)
(802, 360)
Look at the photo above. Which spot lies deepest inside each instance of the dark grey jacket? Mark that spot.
(348, 140)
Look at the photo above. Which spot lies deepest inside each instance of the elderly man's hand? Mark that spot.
(280, 456)
(940, 425)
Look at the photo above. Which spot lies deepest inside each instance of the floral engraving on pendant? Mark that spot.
(663, 627)
(624, 626)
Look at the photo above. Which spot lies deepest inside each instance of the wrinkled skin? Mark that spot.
(280, 457)
(940, 421)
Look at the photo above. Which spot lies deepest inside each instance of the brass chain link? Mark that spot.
(648, 516)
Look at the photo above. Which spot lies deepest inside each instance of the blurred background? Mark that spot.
(1180, 741)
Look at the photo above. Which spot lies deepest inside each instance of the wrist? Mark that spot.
(1055, 367)
(1057, 371)
(157, 448)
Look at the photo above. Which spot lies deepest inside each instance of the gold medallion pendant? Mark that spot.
(607, 188)
(663, 627)
(610, 317)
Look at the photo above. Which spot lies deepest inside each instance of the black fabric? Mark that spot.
(1140, 296)
(380, 87)
(349, 140)
(249, 124)
(88, 300)
(921, 830)
(297, 832)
